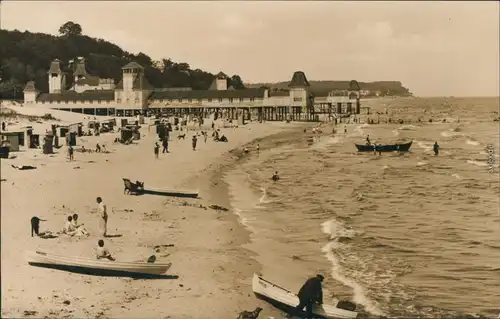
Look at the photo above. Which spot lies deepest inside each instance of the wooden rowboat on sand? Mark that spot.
(96, 266)
(287, 300)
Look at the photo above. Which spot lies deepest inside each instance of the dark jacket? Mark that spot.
(312, 290)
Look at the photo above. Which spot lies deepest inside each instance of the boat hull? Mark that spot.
(405, 147)
(287, 300)
(96, 267)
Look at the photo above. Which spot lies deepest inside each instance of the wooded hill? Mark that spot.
(322, 88)
(26, 56)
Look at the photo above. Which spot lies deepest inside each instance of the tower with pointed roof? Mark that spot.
(80, 71)
(30, 93)
(134, 89)
(56, 77)
(221, 81)
(299, 90)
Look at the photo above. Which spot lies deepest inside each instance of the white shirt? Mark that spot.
(101, 208)
(102, 252)
(68, 227)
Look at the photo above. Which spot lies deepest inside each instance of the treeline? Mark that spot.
(26, 56)
(322, 88)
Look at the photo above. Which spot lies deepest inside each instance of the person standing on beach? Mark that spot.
(70, 153)
(195, 140)
(103, 214)
(345, 129)
(157, 150)
(258, 148)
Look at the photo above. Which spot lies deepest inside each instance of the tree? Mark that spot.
(236, 82)
(70, 29)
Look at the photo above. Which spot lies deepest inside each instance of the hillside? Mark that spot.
(321, 88)
(26, 56)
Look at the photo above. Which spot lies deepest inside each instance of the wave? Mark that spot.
(242, 220)
(427, 146)
(471, 142)
(337, 234)
(408, 128)
(477, 163)
(359, 128)
(264, 199)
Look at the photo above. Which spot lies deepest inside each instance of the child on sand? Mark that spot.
(102, 252)
(157, 150)
(69, 229)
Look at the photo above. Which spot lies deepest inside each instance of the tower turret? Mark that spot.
(299, 90)
(56, 77)
(80, 71)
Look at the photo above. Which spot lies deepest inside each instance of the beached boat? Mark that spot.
(95, 266)
(405, 147)
(287, 300)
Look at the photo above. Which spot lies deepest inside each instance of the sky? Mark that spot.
(434, 48)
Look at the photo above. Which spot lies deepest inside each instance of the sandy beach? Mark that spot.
(204, 245)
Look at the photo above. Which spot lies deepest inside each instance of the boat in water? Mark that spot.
(404, 147)
(287, 300)
(96, 266)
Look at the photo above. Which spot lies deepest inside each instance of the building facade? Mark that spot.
(134, 95)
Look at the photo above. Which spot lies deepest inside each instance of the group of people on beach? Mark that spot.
(73, 228)
(164, 139)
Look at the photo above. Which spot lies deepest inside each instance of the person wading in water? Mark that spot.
(436, 149)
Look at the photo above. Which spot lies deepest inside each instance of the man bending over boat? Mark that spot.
(310, 293)
(102, 252)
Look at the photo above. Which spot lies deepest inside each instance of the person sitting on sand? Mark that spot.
(102, 252)
(275, 177)
(69, 229)
(78, 227)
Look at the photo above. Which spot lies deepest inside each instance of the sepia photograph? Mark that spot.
(250, 159)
